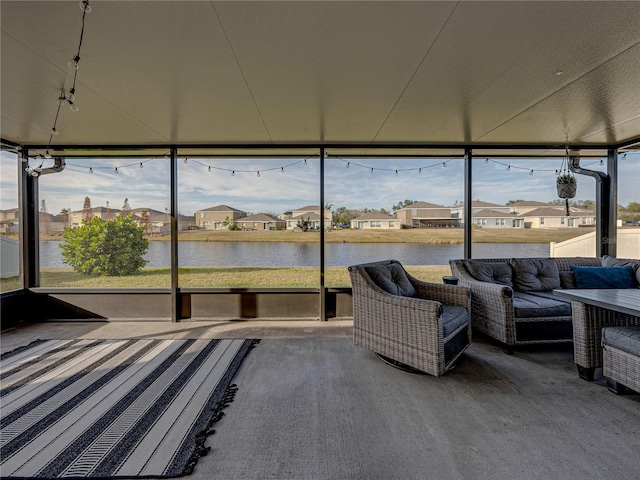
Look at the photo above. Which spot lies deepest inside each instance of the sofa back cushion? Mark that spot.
(604, 277)
(535, 274)
(493, 272)
(608, 261)
(392, 279)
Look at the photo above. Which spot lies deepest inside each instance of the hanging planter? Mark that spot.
(566, 183)
(567, 186)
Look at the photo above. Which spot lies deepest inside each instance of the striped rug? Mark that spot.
(113, 408)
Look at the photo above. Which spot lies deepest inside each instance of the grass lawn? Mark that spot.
(218, 277)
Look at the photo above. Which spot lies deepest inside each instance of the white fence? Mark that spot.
(9, 257)
(627, 245)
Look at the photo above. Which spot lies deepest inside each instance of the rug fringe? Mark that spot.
(217, 414)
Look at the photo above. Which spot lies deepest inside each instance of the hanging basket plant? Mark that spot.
(567, 186)
(566, 182)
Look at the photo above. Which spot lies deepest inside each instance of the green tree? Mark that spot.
(106, 247)
(404, 204)
(304, 225)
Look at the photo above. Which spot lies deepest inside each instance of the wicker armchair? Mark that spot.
(428, 331)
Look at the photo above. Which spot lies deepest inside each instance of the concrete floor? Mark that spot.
(311, 405)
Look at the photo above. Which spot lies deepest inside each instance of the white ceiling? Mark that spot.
(201, 72)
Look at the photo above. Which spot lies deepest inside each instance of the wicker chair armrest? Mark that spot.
(446, 294)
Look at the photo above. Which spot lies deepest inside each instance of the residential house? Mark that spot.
(311, 213)
(375, 220)
(52, 224)
(218, 217)
(491, 218)
(9, 221)
(261, 221)
(427, 215)
(556, 217)
(76, 218)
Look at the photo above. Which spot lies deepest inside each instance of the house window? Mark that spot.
(360, 224)
(484, 222)
(584, 220)
(201, 214)
(541, 220)
(562, 221)
(501, 221)
(375, 224)
(392, 224)
(572, 222)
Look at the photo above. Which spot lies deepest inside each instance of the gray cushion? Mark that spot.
(551, 296)
(567, 280)
(526, 305)
(608, 261)
(453, 317)
(392, 279)
(626, 339)
(535, 274)
(493, 272)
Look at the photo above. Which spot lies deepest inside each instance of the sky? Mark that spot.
(290, 183)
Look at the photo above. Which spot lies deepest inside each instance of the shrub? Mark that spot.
(106, 247)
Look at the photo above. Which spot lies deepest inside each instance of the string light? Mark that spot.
(141, 165)
(396, 173)
(65, 98)
(444, 164)
(371, 169)
(117, 170)
(531, 172)
(601, 162)
(281, 169)
(348, 163)
(233, 173)
(209, 169)
(258, 172)
(508, 168)
(186, 159)
(90, 170)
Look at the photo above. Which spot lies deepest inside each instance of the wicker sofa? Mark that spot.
(513, 315)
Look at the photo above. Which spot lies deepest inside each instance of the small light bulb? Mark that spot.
(372, 170)
(444, 164)
(85, 7)
(185, 160)
(117, 170)
(70, 97)
(47, 154)
(73, 107)
(90, 170)
(601, 162)
(281, 169)
(54, 132)
(258, 172)
(531, 172)
(486, 160)
(419, 171)
(396, 173)
(348, 163)
(508, 167)
(141, 166)
(305, 161)
(33, 173)
(233, 173)
(209, 169)
(73, 63)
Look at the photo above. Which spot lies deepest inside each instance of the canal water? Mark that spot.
(285, 254)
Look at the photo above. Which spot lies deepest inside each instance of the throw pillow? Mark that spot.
(392, 279)
(608, 261)
(493, 272)
(535, 274)
(604, 277)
